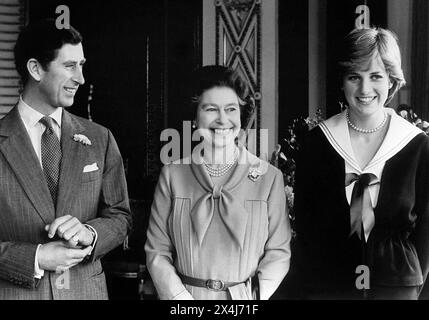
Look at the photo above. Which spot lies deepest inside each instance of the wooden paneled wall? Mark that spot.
(12, 18)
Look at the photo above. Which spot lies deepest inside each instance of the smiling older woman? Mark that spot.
(219, 228)
(362, 204)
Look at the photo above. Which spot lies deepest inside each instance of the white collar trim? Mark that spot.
(31, 116)
(399, 134)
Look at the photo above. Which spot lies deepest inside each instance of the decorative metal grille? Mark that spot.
(238, 45)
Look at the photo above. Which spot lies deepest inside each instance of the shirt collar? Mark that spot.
(31, 116)
(399, 133)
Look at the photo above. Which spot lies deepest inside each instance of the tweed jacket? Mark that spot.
(98, 198)
(229, 232)
(397, 250)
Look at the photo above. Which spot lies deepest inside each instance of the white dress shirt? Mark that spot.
(30, 117)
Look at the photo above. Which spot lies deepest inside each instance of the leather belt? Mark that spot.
(216, 285)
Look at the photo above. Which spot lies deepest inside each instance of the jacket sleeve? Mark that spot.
(421, 236)
(113, 220)
(17, 263)
(274, 265)
(159, 248)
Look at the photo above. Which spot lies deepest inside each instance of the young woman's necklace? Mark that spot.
(356, 128)
(223, 168)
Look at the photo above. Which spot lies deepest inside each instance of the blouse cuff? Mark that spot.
(183, 295)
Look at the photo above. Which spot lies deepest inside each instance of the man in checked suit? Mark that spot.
(63, 194)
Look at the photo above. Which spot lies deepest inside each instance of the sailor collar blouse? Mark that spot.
(399, 134)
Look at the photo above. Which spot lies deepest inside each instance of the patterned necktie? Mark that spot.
(51, 157)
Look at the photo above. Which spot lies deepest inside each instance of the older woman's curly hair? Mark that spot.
(209, 77)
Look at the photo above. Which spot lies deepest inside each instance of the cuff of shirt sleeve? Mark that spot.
(94, 234)
(38, 273)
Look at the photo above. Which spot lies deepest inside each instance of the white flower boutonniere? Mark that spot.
(82, 139)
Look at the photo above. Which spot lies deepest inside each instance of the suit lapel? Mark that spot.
(15, 144)
(72, 162)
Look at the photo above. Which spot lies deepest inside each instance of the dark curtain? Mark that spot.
(420, 58)
(138, 54)
(293, 63)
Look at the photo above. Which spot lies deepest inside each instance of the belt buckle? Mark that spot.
(216, 285)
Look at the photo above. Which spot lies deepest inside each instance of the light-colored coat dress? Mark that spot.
(227, 233)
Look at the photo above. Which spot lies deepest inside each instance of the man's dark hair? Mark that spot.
(41, 40)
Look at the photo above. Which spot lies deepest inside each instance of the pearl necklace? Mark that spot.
(354, 127)
(222, 169)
